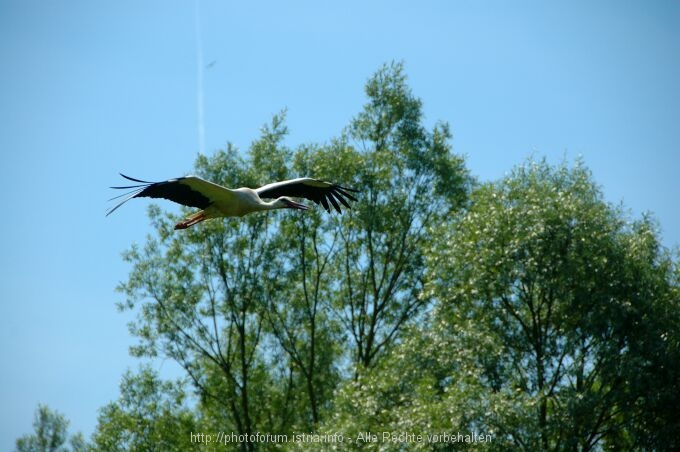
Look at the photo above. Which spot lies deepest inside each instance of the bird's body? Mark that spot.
(216, 201)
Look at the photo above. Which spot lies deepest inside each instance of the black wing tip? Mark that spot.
(336, 196)
(136, 190)
(331, 198)
(340, 197)
(337, 193)
(346, 188)
(129, 196)
(343, 191)
(135, 180)
(141, 182)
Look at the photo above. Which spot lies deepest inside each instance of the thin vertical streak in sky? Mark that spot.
(199, 80)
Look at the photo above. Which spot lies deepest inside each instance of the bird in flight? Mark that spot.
(216, 201)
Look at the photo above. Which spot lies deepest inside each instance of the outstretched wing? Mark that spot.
(315, 190)
(189, 191)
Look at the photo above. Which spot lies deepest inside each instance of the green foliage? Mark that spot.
(563, 286)
(51, 433)
(409, 179)
(202, 298)
(412, 389)
(149, 415)
(555, 327)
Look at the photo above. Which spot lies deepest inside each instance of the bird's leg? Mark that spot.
(192, 220)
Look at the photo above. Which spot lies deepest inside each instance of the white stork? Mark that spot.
(216, 201)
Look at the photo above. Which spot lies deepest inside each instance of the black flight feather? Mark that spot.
(319, 195)
(172, 190)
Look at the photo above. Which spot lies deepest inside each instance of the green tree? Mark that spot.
(202, 297)
(51, 433)
(555, 327)
(561, 286)
(237, 303)
(299, 318)
(651, 348)
(150, 415)
(426, 385)
(410, 180)
(298, 315)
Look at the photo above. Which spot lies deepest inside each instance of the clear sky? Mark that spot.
(88, 89)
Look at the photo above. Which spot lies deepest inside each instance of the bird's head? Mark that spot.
(284, 202)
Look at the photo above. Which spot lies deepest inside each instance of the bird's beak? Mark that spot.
(294, 205)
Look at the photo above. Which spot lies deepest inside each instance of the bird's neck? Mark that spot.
(272, 205)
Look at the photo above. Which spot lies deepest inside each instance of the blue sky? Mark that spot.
(88, 89)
